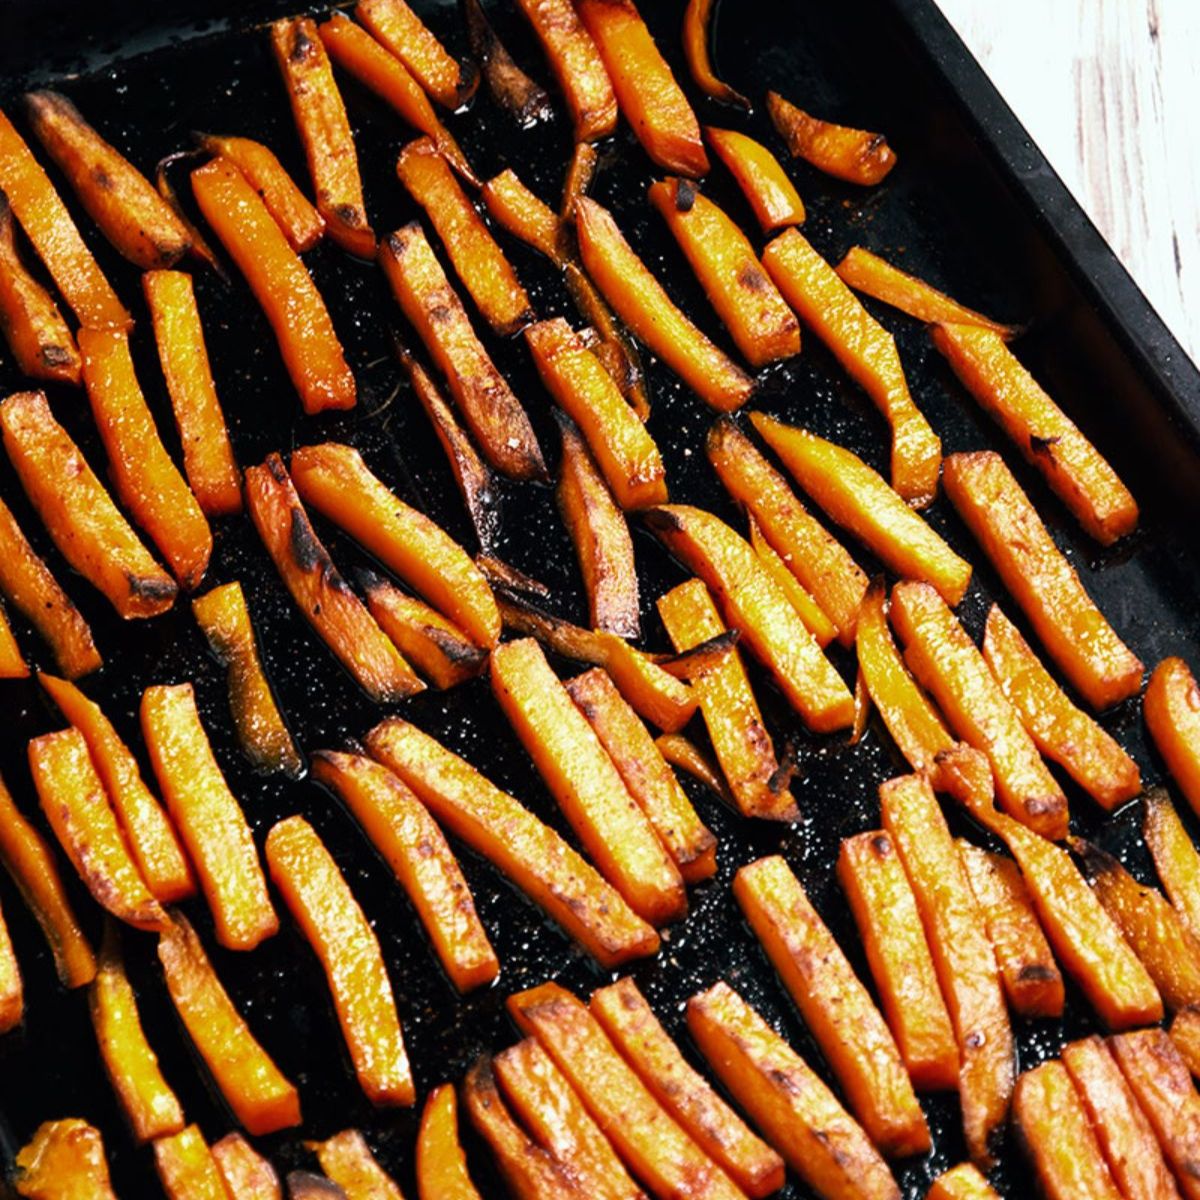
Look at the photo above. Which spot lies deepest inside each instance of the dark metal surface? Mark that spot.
(972, 206)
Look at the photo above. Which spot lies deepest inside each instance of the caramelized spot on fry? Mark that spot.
(850, 154)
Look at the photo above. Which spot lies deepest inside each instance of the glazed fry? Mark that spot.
(581, 170)
(64, 1159)
(764, 183)
(78, 513)
(640, 301)
(795, 1111)
(210, 821)
(511, 88)
(528, 853)
(408, 838)
(441, 1164)
(261, 1098)
(12, 988)
(330, 606)
(1171, 708)
(515, 208)
(394, 24)
(850, 154)
(749, 305)
(321, 121)
(347, 1160)
(696, 21)
(245, 1173)
(963, 1182)
(807, 609)
(1175, 857)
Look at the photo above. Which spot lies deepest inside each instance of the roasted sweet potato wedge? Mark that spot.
(696, 21)
(347, 1160)
(1171, 708)
(850, 154)
(186, 1167)
(78, 513)
(395, 24)
(12, 987)
(963, 1182)
(245, 1173)
(209, 819)
(764, 183)
(1175, 857)
(62, 1160)
(788, 1102)
(441, 1163)
(259, 1095)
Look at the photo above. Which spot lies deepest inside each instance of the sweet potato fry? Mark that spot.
(1185, 1033)
(807, 609)
(963, 1182)
(347, 1160)
(764, 183)
(656, 1149)
(794, 1109)
(29, 861)
(640, 301)
(690, 844)
(889, 927)
(749, 305)
(1031, 978)
(850, 154)
(683, 754)
(321, 122)
(650, 98)
(478, 261)
(39, 338)
(510, 87)
(245, 1173)
(186, 1167)
(441, 1164)
(199, 249)
(528, 852)
(210, 820)
(12, 661)
(63, 1160)
(44, 217)
(752, 602)
(947, 664)
(962, 957)
(78, 513)
(572, 760)
(634, 1029)
(12, 988)
(1124, 1133)
(152, 841)
(412, 844)
(1074, 631)
(814, 556)
(515, 208)
(1063, 733)
(1175, 857)
(207, 455)
(78, 811)
(1171, 707)
(398, 28)
(874, 276)
(581, 170)
(583, 388)
(696, 22)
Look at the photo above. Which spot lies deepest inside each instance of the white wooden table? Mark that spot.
(1110, 91)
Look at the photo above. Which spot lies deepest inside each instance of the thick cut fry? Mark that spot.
(302, 225)
(1171, 708)
(347, 1160)
(324, 907)
(874, 276)
(45, 219)
(794, 1109)
(510, 87)
(749, 305)
(29, 861)
(634, 1029)
(583, 388)
(814, 556)
(837, 1009)
(688, 841)
(696, 21)
(412, 844)
(210, 820)
(600, 533)
(1175, 857)
(640, 301)
(948, 665)
(1031, 978)
(1044, 434)
(148, 1102)
(889, 926)
(37, 335)
(186, 1167)
(1124, 1133)
(807, 609)
(324, 128)
(441, 1164)
(147, 482)
(577, 66)
(79, 514)
(207, 455)
(281, 284)
(868, 354)
(764, 183)
(478, 261)
(962, 957)
(326, 599)
(1061, 731)
(656, 1149)
(122, 201)
(850, 154)
(529, 853)
(1074, 631)
(78, 811)
(515, 208)
(64, 1160)
(245, 1173)
(489, 407)
(550, 1109)
(395, 25)
(963, 1182)
(579, 773)
(1057, 1137)
(753, 603)
(12, 988)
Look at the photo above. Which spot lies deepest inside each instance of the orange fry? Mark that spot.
(683, 754)
(1185, 1034)
(12, 661)
(245, 1173)
(963, 1182)
(12, 988)
(764, 183)
(1175, 857)
(515, 208)
(63, 1160)
(696, 22)
(1171, 708)
(441, 1163)
(347, 1160)
(398, 28)
(850, 154)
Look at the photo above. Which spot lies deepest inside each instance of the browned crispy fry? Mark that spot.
(510, 87)
(63, 1160)
(1175, 857)
(245, 1173)
(1171, 709)
(696, 22)
(581, 170)
(199, 248)
(850, 154)
(347, 1160)
(764, 183)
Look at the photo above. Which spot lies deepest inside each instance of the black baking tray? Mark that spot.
(973, 206)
